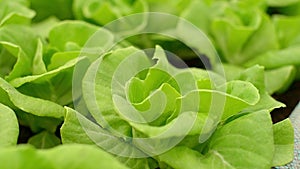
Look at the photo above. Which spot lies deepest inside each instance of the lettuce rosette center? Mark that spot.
(153, 93)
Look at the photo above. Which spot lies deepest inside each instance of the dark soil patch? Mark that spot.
(290, 98)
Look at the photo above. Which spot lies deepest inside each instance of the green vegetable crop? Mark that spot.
(96, 83)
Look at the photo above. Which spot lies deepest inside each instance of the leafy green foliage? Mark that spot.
(237, 29)
(62, 9)
(233, 145)
(113, 105)
(9, 128)
(15, 12)
(27, 157)
(93, 10)
(283, 145)
(129, 109)
(44, 140)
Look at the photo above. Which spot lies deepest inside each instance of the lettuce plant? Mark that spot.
(154, 117)
(123, 107)
(91, 10)
(245, 35)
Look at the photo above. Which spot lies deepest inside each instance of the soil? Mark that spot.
(291, 98)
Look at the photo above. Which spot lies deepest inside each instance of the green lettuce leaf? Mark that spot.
(77, 35)
(61, 9)
(238, 34)
(15, 12)
(255, 75)
(103, 12)
(284, 142)
(7, 62)
(287, 30)
(27, 157)
(54, 85)
(81, 39)
(35, 106)
(236, 144)
(278, 3)
(43, 28)
(278, 80)
(44, 140)
(103, 77)
(174, 7)
(290, 10)
(36, 123)
(79, 129)
(277, 58)
(9, 127)
(203, 22)
(21, 43)
(284, 77)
